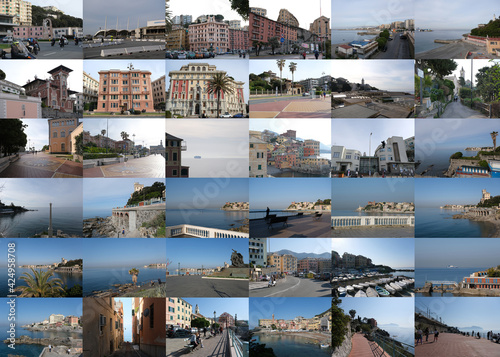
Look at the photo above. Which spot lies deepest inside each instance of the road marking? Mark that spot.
(50, 53)
(282, 291)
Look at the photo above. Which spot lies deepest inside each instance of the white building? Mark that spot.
(54, 318)
(392, 157)
(344, 159)
(67, 31)
(258, 251)
(9, 87)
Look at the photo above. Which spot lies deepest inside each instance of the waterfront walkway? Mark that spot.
(292, 107)
(361, 347)
(196, 286)
(42, 165)
(150, 166)
(292, 287)
(305, 226)
(456, 345)
(212, 347)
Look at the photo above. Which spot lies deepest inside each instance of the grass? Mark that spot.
(4, 46)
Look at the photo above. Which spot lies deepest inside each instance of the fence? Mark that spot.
(392, 347)
(237, 347)
(202, 232)
(355, 221)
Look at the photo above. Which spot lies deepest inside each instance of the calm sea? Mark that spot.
(27, 224)
(363, 213)
(213, 218)
(104, 278)
(216, 167)
(440, 158)
(69, 280)
(285, 346)
(424, 41)
(343, 36)
(443, 274)
(401, 334)
(438, 223)
(102, 212)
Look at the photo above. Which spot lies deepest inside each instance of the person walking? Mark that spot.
(426, 332)
(61, 43)
(436, 335)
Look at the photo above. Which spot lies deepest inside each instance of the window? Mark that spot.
(336, 154)
(104, 105)
(348, 157)
(125, 83)
(174, 156)
(63, 147)
(251, 145)
(102, 323)
(54, 134)
(152, 316)
(63, 134)
(259, 167)
(174, 172)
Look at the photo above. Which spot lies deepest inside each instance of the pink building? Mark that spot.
(262, 29)
(238, 39)
(307, 264)
(28, 31)
(19, 106)
(125, 90)
(209, 36)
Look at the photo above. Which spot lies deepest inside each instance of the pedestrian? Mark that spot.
(316, 54)
(436, 335)
(159, 281)
(220, 330)
(198, 339)
(478, 336)
(304, 54)
(123, 231)
(50, 348)
(61, 43)
(68, 351)
(267, 212)
(419, 337)
(426, 331)
(205, 332)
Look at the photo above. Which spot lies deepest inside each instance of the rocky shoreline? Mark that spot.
(54, 341)
(244, 228)
(102, 226)
(492, 220)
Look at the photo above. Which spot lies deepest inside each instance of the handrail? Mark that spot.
(391, 348)
(240, 347)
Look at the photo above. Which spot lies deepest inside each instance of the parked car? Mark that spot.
(390, 39)
(239, 115)
(194, 329)
(225, 115)
(206, 55)
(168, 55)
(182, 333)
(182, 55)
(7, 39)
(305, 94)
(175, 55)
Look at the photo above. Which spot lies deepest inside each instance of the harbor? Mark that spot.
(372, 285)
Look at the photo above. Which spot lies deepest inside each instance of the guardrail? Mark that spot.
(392, 347)
(237, 347)
(361, 221)
(202, 232)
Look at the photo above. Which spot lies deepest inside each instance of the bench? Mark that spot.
(277, 220)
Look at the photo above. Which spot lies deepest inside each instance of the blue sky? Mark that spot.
(201, 193)
(107, 193)
(47, 251)
(36, 310)
(394, 252)
(385, 311)
(317, 129)
(350, 194)
(39, 192)
(286, 308)
(435, 192)
(348, 14)
(463, 311)
(238, 69)
(355, 133)
(127, 318)
(232, 306)
(305, 69)
(300, 245)
(459, 14)
(193, 252)
(278, 193)
(156, 67)
(122, 252)
(441, 252)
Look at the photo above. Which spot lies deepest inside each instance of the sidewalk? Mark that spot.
(212, 347)
(43, 165)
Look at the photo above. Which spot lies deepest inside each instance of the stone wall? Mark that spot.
(345, 349)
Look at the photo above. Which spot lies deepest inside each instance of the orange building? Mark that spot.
(60, 135)
(148, 325)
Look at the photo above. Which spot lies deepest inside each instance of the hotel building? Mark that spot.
(209, 36)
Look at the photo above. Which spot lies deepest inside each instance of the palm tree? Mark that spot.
(220, 83)
(134, 272)
(124, 135)
(41, 284)
(281, 65)
(494, 135)
(293, 68)
(168, 18)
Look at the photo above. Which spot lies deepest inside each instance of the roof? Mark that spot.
(345, 46)
(354, 111)
(253, 139)
(171, 137)
(60, 67)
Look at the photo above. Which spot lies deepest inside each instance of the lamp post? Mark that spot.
(370, 157)
(179, 269)
(214, 321)
(133, 143)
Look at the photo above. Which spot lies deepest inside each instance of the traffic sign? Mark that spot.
(282, 40)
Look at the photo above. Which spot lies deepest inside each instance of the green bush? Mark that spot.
(87, 156)
(456, 155)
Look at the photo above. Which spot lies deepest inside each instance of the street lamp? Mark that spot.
(370, 157)
(133, 143)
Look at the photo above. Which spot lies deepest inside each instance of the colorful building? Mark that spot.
(19, 9)
(263, 29)
(148, 325)
(178, 312)
(258, 157)
(209, 36)
(257, 251)
(60, 138)
(177, 39)
(238, 39)
(159, 93)
(173, 158)
(19, 106)
(481, 280)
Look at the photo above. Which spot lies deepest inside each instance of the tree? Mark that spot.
(494, 135)
(352, 312)
(134, 272)
(12, 136)
(241, 7)
(440, 67)
(219, 83)
(124, 135)
(274, 43)
(103, 132)
(79, 144)
(382, 41)
(40, 284)
(281, 65)
(293, 67)
(168, 18)
(464, 92)
(200, 322)
(456, 155)
(2, 75)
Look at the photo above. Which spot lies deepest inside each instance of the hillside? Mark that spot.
(492, 29)
(62, 20)
(304, 255)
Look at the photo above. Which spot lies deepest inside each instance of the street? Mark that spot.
(149, 166)
(95, 52)
(69, 51)
(292, 287)
(396, 49)
(196, 286)
(42, 165)
(266, 55)
(458, 110)
(128, 350)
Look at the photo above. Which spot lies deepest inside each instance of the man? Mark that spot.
(192, 341)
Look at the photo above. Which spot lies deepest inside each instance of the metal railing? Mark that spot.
(239, 347)
(392, 347)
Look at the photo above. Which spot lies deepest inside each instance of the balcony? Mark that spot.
(183, 146)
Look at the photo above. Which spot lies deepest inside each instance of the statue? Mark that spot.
(237, 259)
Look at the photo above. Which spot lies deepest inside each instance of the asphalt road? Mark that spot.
(396, 49)
(458, 110)
(69, 51)
(195, 286)
(95, 52)
(294, 287)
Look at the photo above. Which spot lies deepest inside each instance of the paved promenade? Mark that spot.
(150, 166)
(361, 347)
(297, 227)
(452, 50)
(292, 107)
(212, 346)
(292, 287)
(455, 345)
(196, 286)
(458, 110)
(43, 165)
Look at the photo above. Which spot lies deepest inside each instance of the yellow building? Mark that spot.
(314, 161)
(258, 157)
(284, 263)
(177, 39)
(73, 135)
(20, 9)
(286, 17)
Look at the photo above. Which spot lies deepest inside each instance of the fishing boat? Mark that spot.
(382, 292)
(197, 157)
(360, 293)
(357, 286)
(396, 286)
(342, 291)
(349, 289)
(452, 267)
(372, 283)
(324, 345)
(390, 289)
(371, 292)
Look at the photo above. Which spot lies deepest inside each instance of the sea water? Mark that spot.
(438, 223)
(213, 218)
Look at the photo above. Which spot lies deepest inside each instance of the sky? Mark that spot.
(212, 138)
(69, 7)
(357, 13)
(40, 69)
(47, 251)
(453, 134)
(286, 308)
(101, 193)
(462, 311)
(37, 132)
(279, 193)
(305, 69)
(95, 12)
(196, 8)
(435, 192)
(205, 193)
(300, 245)
(156, 67)
(40, 192)
(147, 131)
(211, 253)
(385, 311)
(37, 310)
(350, 194)
(355, 133)
(393, 252)
(114, 253)
(304, 14)
(232, 306)
(236, 69)
(466, 65)
(459, 14)
(441, 252)
(395, 75)
(127, 318)
(317, 129)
